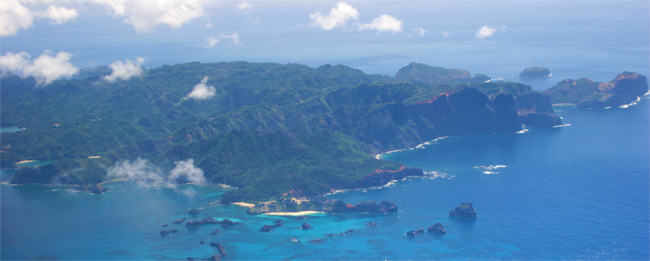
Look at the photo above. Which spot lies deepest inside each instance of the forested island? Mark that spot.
(282, 134)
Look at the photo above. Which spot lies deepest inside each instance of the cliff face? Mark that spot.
(397, 125)
(587, 94)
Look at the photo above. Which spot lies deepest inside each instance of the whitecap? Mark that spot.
(563, 125)
(625, 106)
(491, 167)
(522, 131)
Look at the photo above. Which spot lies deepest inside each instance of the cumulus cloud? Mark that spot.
(420, 31)
(144, 15)
(146, 174)
(186, 172)
(337, 17)
(202, 91)
(140, 171)
(487, 31)
(244, 6)
(232, 37)
(384, 23)
(59, 14)
(13, 17)
(45, 68)
(124, 70)
(211, 41)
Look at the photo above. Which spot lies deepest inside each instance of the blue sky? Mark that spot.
(494, 37)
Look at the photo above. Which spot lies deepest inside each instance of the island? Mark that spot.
(627, 88)
(535, 72)
(282, 136)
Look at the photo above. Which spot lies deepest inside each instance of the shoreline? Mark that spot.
(299, 213)
(419, 146)
(24, 161)
(243, 204)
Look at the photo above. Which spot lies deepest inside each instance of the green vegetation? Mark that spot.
(269, 129)
(585, 93)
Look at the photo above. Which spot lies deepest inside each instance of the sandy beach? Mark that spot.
(244, 204)
(300, 213)
(24, 161)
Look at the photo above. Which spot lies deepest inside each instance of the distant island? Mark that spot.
(625, 89)
(535, 72)
(283, 135)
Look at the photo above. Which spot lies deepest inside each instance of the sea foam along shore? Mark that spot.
(419, 146)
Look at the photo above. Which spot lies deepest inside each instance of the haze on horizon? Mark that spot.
(498, 38)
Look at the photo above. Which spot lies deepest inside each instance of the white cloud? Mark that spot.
(46, 68)
(445, 34)
(186, 172)
(487, 31)
(420, 31)
(384, 23)
(13, 17)
(59, 14)
(337, 17)
(211, 41)
(124, 70)
(233, 37)
(14, 62)
(243, 6)
(140, 171)
(202, 91)
(146, 174)
(145, 15)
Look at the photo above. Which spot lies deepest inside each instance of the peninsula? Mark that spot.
(279, 133)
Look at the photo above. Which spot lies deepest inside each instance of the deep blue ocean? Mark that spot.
(573, 192)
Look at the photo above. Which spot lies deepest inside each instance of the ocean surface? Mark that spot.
(580, 191)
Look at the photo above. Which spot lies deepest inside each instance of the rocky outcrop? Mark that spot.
(626, 88)
(464, 210)
(437, 228)
(415, 233)
(179, 221)
(268, 228)
(193, 211)
(535, 72)
(219, 246)
(306, 226)
(208, 221)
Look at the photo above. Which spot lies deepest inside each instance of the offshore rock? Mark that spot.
(412, 233)
(193, 211)
(464, 210)
(179, 221)
(437, 228)
(535, 72)
(306, 226)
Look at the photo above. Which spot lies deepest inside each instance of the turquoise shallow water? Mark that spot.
(575, 192)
